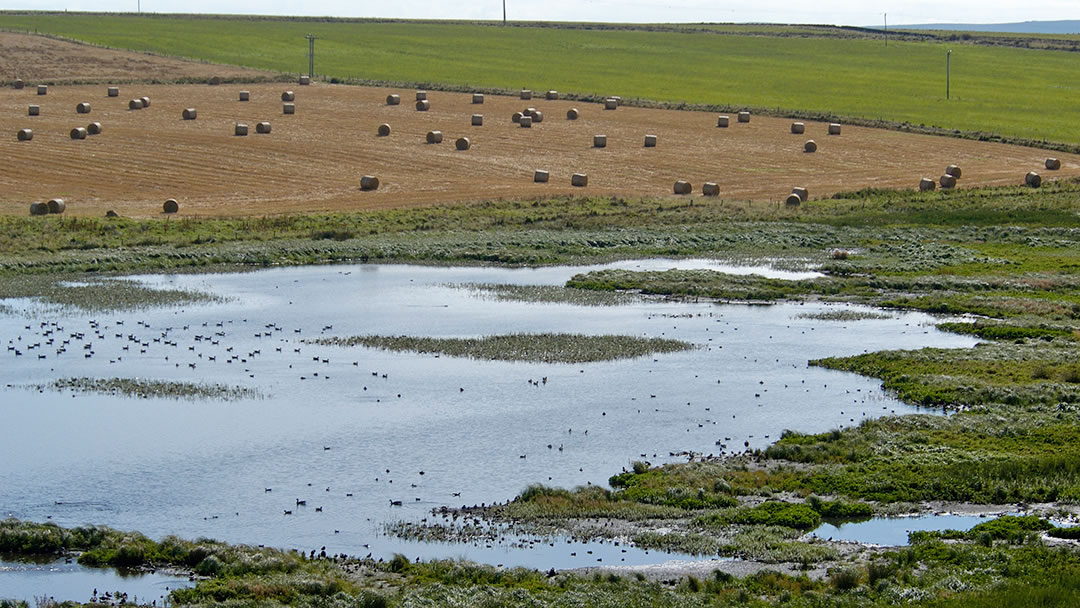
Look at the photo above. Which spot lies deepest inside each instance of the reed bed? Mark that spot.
(152, 389)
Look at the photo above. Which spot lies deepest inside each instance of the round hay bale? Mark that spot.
(79, 133)
(93, 128)
(579, 180)
(369, 182)
(793, 200)
(650, 141)
(526, 94)
(541, 176)
(18, 84)
(42, 89)
(171, 206)
(798, 128)
(423, 105)
(113, 91)
(599, 141)
(477, 120)
(190, 114)
(572, 114)
(263, 127)
(39, 209)
(1033, 179)
(82, 108)
(1053, 164)
(744, 116)
(526, 122)
(25, 135)
(421, 95)
(530, 112)
(393, 99)
(618, 100)
(538, 116)
(33, 110)
(926, 184)
(305, 81)
(683, 187)
(56, 206)
(434, 137)
(288, 96)
(710, 189)
(478, 98)
(802, 193)
(947, 181)
(288, 108)
(516, 118)
(611, 103)
(111, 213)
(245, 95)
(462, 143)
(135, 104)
(722, 122)
(954, 171)
(551, 95)
(834, 129)
(145, 101)
(810, 146)
(384, 130)
(240, 129)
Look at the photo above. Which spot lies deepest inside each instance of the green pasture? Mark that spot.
(1003, 90)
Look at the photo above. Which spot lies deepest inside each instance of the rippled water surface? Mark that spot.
(351, 430)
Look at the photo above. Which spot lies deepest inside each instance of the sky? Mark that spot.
(836, 12)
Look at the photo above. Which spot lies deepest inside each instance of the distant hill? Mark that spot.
(1026, 27)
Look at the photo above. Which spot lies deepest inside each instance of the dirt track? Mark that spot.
(313, 160)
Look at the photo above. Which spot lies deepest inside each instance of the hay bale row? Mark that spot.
(18, 84)
(611, 103)
(1053, 164)
(541, 176)
(93, 128)
(650, 141)
(810, 146)
(39, 209)
(288, 108)
(262, 127)
(722, 122)
(423, 105)
(1033, 179)
(369, 182)
(572, 114)
(710, 189)
(526, 94)
(79, 133)
(384, 130)
(434, 137)
(478, 98)
(288, 96)
(599, 141)
(477, 120)
(683, 187)
(240, 129)
(421, 96)
(113, 91)
(927, 185)
(744, 116)
(798, 128)
(393, 99)
(171, 206)
(42, 89)
(245, 95)
(25, 135)
(190, 114)
(56, 206)
(463, 143)
(82, 108)
(834, 129)
(33, 110)
(579, 180)
(526, 122)
(551, 95)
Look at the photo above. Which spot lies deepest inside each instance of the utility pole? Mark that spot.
(948, 59)
(504, 12)
(886, 30)
(311, 55)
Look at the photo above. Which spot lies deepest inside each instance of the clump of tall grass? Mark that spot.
(152, 389)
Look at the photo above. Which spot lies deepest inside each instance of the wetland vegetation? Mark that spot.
(150, 389)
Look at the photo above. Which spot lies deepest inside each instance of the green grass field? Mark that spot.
(1014, 92)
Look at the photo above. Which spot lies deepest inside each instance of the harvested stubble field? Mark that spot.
(313, 160)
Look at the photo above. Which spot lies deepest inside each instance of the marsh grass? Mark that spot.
(98, 294)
(545, 348)
(152, 389)
(547, 294)
(845, 315)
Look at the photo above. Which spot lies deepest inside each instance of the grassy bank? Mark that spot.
(799, 71)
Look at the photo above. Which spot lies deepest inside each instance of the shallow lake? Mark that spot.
(351, 430)
(893, 531)
(61, 581)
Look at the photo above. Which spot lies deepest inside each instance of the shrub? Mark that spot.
(845, 579)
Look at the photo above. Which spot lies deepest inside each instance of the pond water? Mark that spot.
(62, 582)
(350, 431)
(893, 531)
